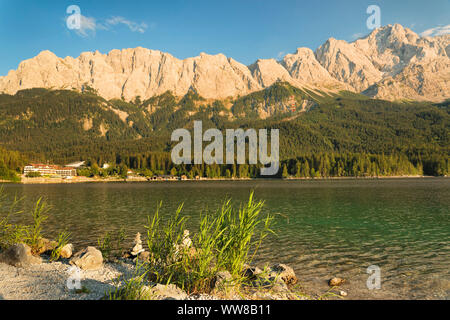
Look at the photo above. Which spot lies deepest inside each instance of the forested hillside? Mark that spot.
(320, 135)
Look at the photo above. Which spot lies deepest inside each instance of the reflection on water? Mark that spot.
(324, 228)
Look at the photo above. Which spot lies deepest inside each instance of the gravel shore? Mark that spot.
(48, 281)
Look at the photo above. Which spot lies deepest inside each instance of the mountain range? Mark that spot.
(391, 63)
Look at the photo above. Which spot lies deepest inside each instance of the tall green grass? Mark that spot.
(34, 231)
(110, 244)
(12, 233)
(62, 240)
(130, 289)
(226, 240)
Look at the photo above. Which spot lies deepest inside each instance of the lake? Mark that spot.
(324, 228)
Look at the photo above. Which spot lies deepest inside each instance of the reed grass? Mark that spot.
(226, 240)
(130, 289)
(12, 233)
(110, 244)
(62, 240)
(39, 216)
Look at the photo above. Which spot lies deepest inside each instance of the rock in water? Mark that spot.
(66, 251)
(285, 272)
(137, 245)
(336, 282)
(88, 259)
(343, 293)
(19, 255)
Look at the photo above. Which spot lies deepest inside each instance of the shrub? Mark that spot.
(18, 233)
(33, 174)
(62, 240)
(223, 242)
(111, 243)
(132, 289)
(8, 174)
(10, 233)
(39, 215)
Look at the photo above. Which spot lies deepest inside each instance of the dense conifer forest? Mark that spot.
(321, 135)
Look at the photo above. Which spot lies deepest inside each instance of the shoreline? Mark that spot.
(78, 179)
(19, 283)
(35, 276)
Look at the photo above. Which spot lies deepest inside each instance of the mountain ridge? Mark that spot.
(391, 63)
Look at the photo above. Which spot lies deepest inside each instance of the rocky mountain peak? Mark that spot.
(303, 66)
(392, 62)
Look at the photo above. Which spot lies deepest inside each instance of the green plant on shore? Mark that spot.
(33, 174)
(111, 243)
(167, 261)
(237, 230)
(39, 215)
(223, 243)
(131, 289)
(10, 233)
(62, 240)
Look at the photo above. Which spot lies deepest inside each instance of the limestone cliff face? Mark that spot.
(347, 64)
(268, 71)
(303, 66)
(133, 72)
(391, 63)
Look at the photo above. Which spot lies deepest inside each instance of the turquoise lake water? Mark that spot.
(323, 228)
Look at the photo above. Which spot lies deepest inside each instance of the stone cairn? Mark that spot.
(137, 249)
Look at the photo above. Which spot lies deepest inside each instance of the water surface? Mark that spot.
(324, 228)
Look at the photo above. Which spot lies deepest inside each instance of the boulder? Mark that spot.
(45, 246)
(164, 292)
(279, 285)
(127, 255)
(284, 272)
(88, 259)
(251, 272)
(144, 256)
(66, 251)
(264, 282)
(222, 280)
(336, 282)
(19, 255)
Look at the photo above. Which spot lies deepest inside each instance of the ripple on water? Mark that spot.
(324, 228)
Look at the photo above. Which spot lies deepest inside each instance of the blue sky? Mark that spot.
(245, 30)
